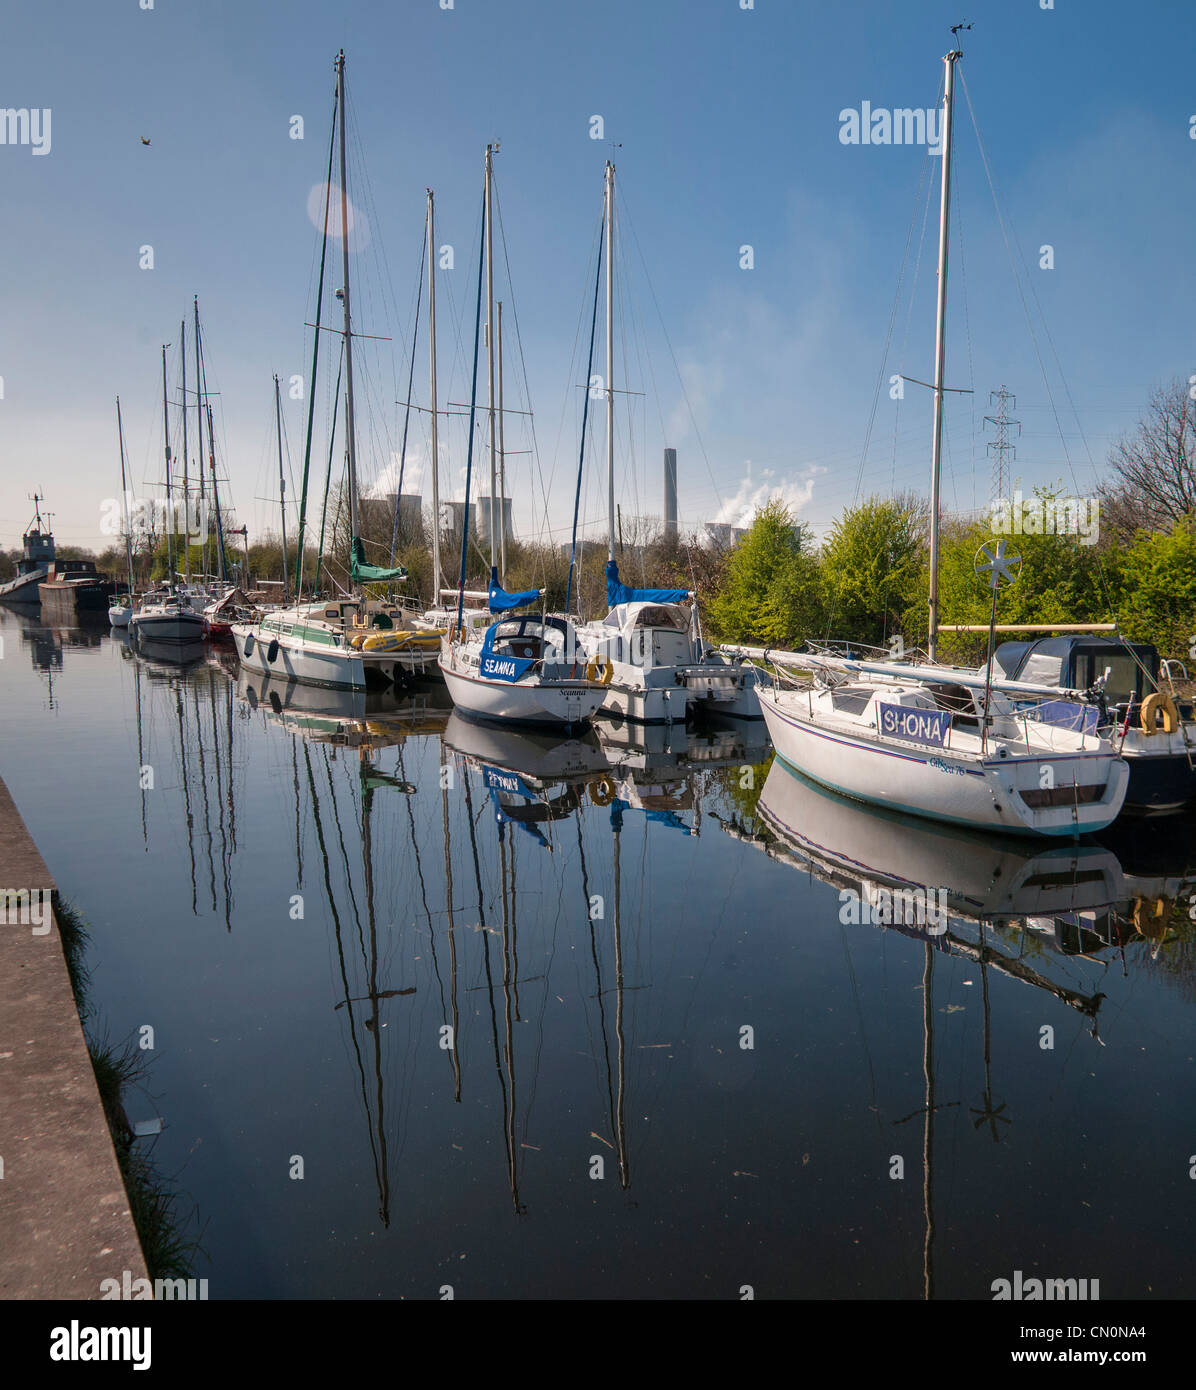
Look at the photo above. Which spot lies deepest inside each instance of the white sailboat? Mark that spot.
(166, 615)
(661, 669)
(520, 669)
(931, 741)
(350, 642)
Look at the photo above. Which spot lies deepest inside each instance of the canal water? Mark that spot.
(440, 1008)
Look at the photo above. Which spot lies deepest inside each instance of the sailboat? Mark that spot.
(660, 667)
(930, 740)
(166, 614)
(347, 642)
(522, 668)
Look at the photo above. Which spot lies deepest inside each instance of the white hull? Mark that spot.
(119, 614)
(563, 704)
(335, 667)
(937, 782)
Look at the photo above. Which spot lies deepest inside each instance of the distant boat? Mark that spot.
(166, 616)
(38, 554)
(351, 642)
(71, 587)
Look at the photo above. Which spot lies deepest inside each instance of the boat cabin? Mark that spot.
(649, 634)
(1078, 662)
(529, 638)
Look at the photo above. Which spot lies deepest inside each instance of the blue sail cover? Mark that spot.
(502, 602)
(617, 592)
(669, 818)
(500, 668)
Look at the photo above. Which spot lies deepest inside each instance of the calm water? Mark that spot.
(307, 898)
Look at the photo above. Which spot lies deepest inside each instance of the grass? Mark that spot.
(156, 1207)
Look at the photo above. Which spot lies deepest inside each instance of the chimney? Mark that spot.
(670, 492)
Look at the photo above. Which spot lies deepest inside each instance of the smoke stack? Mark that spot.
(670, 492)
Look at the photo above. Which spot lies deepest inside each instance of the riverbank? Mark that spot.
(65, 1223)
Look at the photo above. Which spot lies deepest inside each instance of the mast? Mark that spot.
(315, 360)
(186, 478)
(490, 336)
(166, 436)
(502, 464)
(282, 483)
(610, 358)
(435, 435)
(199, 409)
(350, 431)
(215, 495)
(940, 352)
(124, 492)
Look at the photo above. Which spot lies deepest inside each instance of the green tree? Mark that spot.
(873, 568)
(769, 596)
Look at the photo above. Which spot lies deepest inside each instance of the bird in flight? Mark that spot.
(144, 141)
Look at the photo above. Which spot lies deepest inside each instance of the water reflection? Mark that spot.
(1003, 895)
(460, 961)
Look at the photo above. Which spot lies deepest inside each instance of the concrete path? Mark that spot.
(64, 1216)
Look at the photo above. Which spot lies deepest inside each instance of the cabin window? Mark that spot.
(1125, 679)
(1041, 669)
(660, 616)
(850, 699)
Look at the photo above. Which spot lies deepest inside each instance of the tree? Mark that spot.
(873, 568)
(770, 593)
(1157, 602)
(1154, 469)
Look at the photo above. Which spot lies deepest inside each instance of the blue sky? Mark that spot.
(728, 126)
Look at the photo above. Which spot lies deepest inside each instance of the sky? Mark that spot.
(769, 369)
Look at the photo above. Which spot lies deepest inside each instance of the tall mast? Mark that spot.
(199, 410)
(940, 353)
(124, 492)
(435, 436)
(350, 433)
(610, 358)
(502, 461)
(169, 514)
(490, 337)
(186, 478)
(282, 482)
(215, 495)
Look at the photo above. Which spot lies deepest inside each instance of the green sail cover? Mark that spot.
(369, 574)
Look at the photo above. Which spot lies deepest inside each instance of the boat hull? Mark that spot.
(167, 627)
(334, 667)
(937, 785)
(22, 592)
(560, 705)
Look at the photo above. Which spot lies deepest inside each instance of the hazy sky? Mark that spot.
(728, 127)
